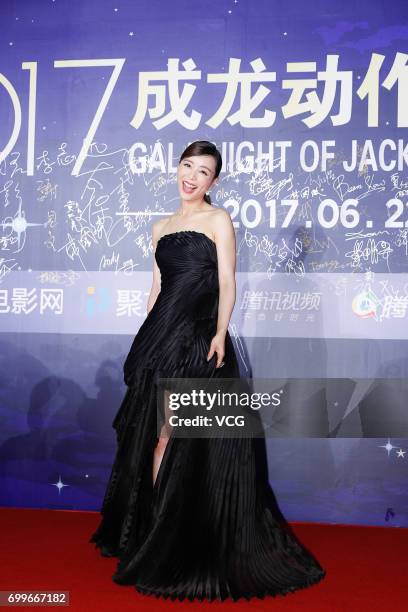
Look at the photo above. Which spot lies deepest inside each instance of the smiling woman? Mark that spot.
(193, 517)
(196, 174)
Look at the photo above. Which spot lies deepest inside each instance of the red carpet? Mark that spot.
(49, 550)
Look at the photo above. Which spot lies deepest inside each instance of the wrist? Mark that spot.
(221, 331)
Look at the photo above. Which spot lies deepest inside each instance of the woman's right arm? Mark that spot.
(156, 283)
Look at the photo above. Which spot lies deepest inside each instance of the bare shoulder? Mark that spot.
(157, 230)
(223, 229)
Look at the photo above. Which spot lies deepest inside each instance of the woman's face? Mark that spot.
(195, 175)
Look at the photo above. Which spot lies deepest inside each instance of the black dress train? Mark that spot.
(209, 527)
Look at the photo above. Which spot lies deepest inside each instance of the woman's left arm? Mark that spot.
(225, 242)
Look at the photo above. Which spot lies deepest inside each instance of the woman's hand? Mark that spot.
(217, 346)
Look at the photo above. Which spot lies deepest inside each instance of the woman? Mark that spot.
(193, 517)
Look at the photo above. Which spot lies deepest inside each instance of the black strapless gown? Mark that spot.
(209, 528)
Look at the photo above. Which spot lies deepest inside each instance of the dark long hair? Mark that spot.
(204, 147)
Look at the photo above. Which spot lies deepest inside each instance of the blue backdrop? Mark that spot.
(309, 108)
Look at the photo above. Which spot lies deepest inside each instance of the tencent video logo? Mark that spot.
(365, 304)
